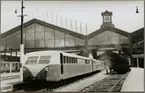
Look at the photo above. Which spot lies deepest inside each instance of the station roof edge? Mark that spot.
(33, 21)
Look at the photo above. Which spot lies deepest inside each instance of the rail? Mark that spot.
(114, 86)
(108, 84)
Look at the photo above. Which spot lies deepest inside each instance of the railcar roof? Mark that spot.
(53, 52)
(73, 55)
(44, 52)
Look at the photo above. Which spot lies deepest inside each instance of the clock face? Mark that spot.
(106, 18)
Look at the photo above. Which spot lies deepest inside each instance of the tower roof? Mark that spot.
(106, 13)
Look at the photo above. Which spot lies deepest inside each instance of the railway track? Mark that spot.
(111, 83)
(44, 86)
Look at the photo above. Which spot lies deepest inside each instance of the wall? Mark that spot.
(108, 37)
(38, 36)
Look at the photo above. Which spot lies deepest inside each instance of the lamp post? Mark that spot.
(137, 9)
(131, 43)
(21, 44)
(86, 42)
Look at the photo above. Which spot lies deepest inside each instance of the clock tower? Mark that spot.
(107, 19)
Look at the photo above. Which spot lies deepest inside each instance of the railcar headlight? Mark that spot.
(20, 65)
(47, 68)
(24, 68)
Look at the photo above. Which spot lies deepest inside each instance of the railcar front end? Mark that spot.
(41, 66)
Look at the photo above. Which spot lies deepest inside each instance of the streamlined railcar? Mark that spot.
(57, 65)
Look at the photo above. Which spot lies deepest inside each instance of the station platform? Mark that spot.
(135, 81)
(10, 74)
(8, 80)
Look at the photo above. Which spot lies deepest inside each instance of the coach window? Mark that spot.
(67, 59)
(63, 59)
(70, 59)
(85, 61)
(73, 60)
(88, 61)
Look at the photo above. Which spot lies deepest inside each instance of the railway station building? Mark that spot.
(39, 35)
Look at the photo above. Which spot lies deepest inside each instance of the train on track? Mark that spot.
(57, 65)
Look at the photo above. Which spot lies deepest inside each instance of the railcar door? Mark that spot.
(61, 63)
(92, 65)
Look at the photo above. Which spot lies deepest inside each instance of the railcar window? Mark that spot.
(44, 59)
(81, 61)
(76, 61)
(73, 60)
(32, 60)
(64, 59)
(87, 62)
(68, 59)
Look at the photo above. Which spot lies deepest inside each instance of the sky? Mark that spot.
(86, 13)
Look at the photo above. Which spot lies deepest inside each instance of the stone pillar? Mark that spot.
(11, 53)
(16, 54)
(137, 62)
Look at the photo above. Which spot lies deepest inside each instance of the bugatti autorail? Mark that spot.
(57, 65)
